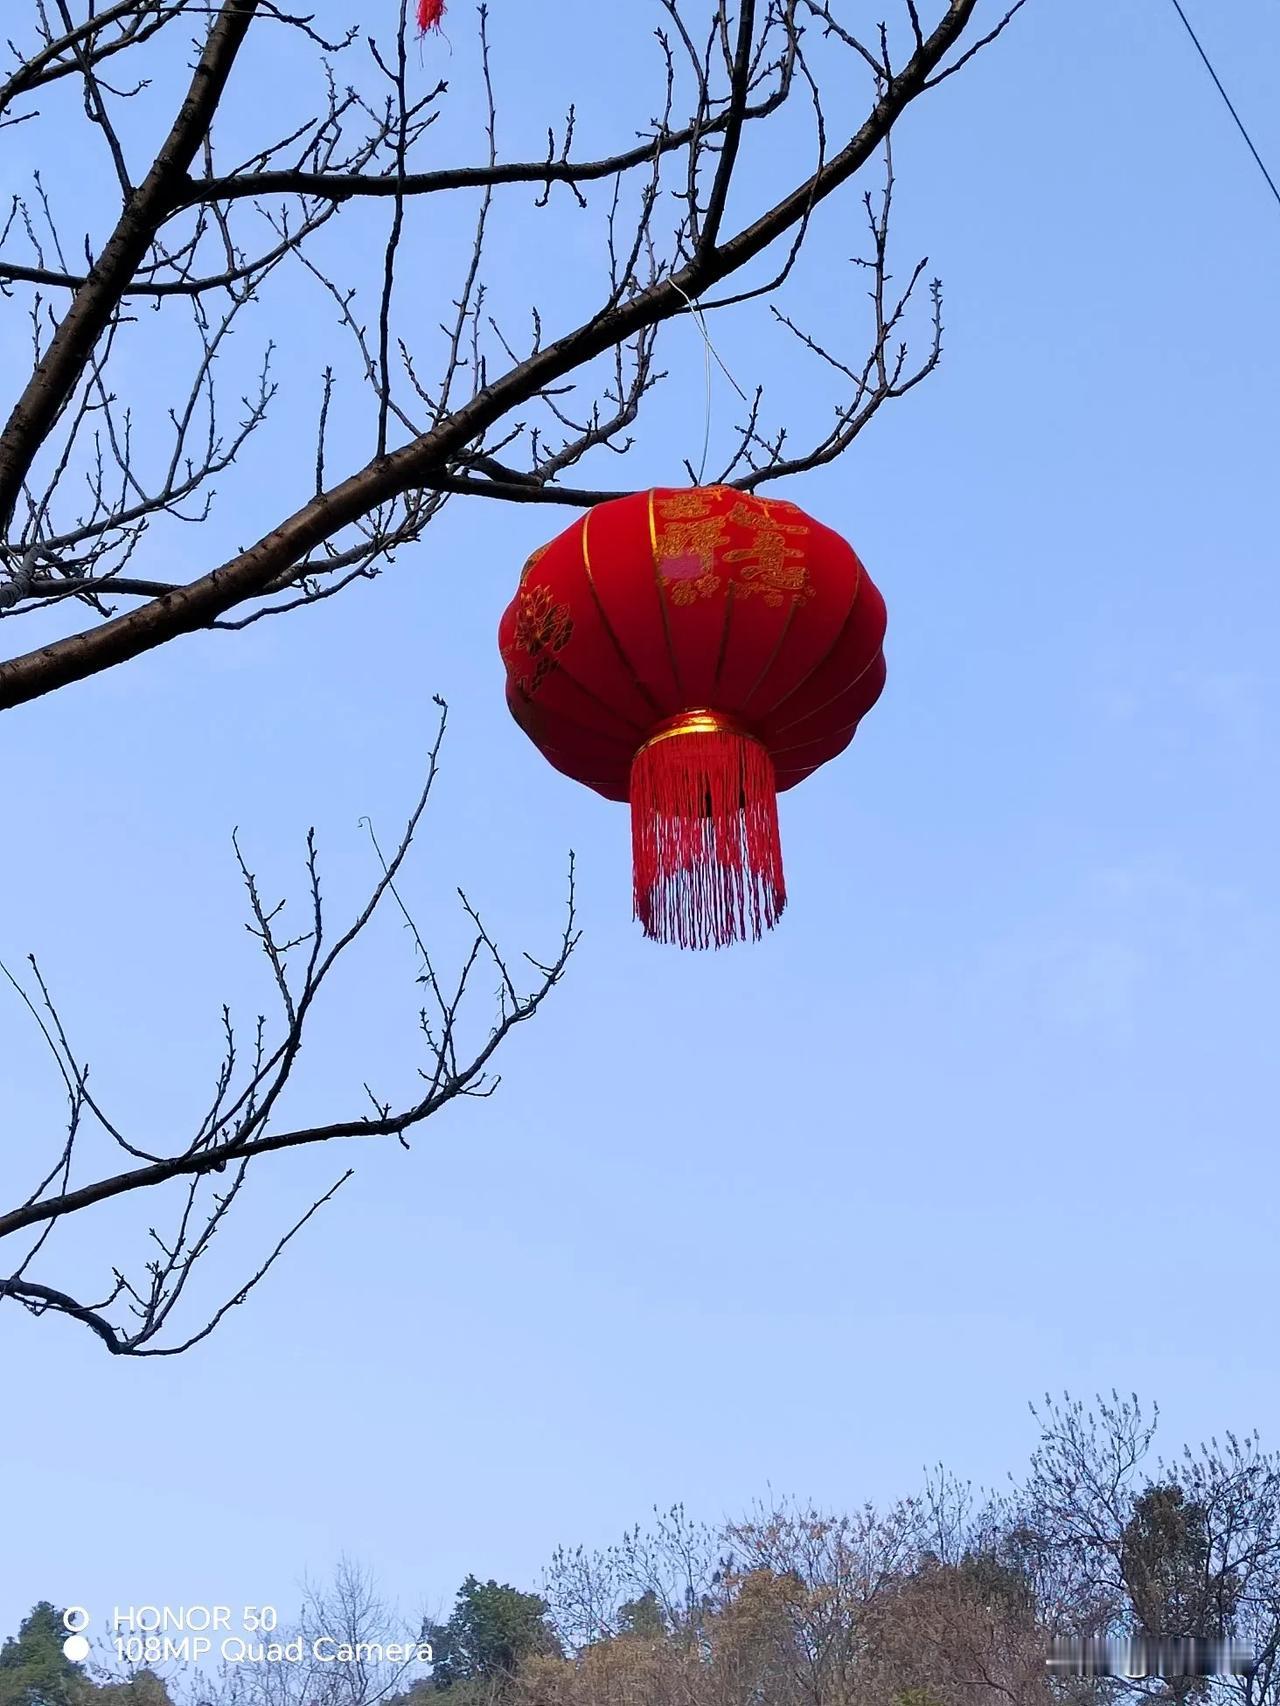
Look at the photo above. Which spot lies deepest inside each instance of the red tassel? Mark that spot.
(707, 856)
(430, 13)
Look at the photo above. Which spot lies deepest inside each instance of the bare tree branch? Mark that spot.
(89, 315)
(351, 526)
(238, 1127)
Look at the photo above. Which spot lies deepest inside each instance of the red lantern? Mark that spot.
(695, 651)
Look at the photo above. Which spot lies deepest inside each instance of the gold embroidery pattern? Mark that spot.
(771, 565)
(686, 545)
(534, 557)
(543, 630)
(689, 546)
(686, 506)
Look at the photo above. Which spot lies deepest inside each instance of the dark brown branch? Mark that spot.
(344, 186)
(234, 1131)
(153, 1313)
(40, 1298)
(71, 348)
(977, 46)
(12, 273)
(48, 64)
(137, 1346)
(215, 1158)
(710, 232)
(429, 457)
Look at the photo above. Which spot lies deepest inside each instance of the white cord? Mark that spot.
(710, 351)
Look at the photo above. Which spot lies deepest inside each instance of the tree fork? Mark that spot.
(98, 298)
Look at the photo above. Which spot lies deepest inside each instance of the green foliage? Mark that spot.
(996, 1584)
(1165, 1558)
(471, 1691)
(144, 1688)
(643, 1616)
(493, 1628)
(34, 1671)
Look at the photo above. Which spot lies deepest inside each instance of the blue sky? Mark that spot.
(992, 1112)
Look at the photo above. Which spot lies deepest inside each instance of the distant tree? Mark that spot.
(34, 1670)
(642, 1616)
(670, 1572)
(349, 1609)
(1165, 1558)
(996, 1583)
(1116, 1552)
(964, 1631)
(1169, 1571)
(142, 1688)
(492, 1629)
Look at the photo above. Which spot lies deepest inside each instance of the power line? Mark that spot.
(1186, 24)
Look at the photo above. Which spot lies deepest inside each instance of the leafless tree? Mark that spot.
(348, 1613)
(194, 243)
(675, 1564)
(1083, 1529)
(346, 1645)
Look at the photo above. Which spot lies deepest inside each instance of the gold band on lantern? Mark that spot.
(701, 721)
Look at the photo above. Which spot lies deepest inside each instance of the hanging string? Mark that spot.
(710, 351)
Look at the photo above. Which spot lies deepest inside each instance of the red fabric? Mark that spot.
(430, 13)
(680, 599)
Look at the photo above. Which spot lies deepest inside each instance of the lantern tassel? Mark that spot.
(707, 854)
(430, 13)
